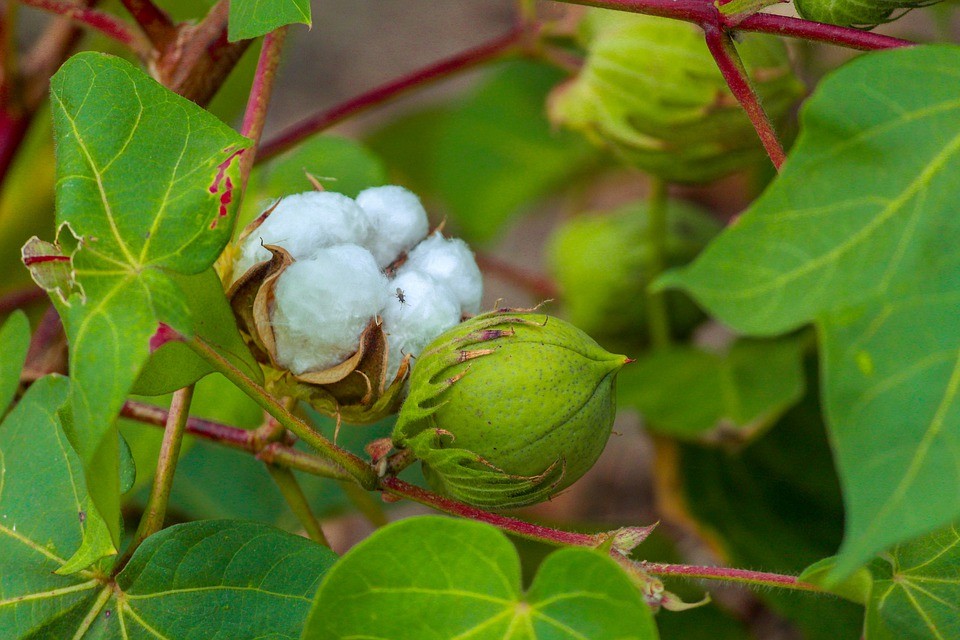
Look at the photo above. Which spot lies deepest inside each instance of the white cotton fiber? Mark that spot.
(304, 223)
(322, 305)
(399, 221)
(450, 262)
(428, 309)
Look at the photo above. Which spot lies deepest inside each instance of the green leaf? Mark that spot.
(494, 152)
(14, 341)
(690, 393)
(174, 365)
(341, 165)
(433, 577)
(856, 588)
(857, 234)
(147, 190)
(42, 497)
(253, 18)
(916, 590)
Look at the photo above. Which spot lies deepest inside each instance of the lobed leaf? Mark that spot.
(434, 577)
(145, 184)
(858, 235)
(254, 18)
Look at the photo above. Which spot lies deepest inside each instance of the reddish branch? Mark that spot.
(108, 25)
(538, 285)
(154, 22)
(259, 100)
(731, 67)
(318, 122)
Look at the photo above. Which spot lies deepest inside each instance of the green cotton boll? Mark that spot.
(601, 263)
(651, 92)
(508, 408)
(857, 13)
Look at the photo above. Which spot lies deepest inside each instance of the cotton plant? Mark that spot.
(336, 295)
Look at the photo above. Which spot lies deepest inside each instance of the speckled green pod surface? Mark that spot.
(601, 261)
(651, 92)
(509, 408)
(857, 13)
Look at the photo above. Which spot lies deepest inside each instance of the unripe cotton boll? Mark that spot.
(322, 304)
(397, 218)
(857, 13)
(508, 408)
(302, 224)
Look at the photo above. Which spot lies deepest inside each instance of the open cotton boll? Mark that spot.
(428, 309)
(303, 223)
(399, 221)
(450, 262)
(323, 304)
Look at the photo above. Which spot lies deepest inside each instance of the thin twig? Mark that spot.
(740, 576)
(492, 50)
(260, 92)
(156, 509)
(100, 21)
(297, 501)
(19, 298)
(538, 285)
(731, 67)
(153, 21)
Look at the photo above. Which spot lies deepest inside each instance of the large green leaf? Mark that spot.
(493, 153)
(690, 393)
(440, 578)
(145, 181)
(252, 18)
(14, 341)
(859, 235)
(42, 513)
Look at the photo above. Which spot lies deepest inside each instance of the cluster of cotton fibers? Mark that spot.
(341, 278)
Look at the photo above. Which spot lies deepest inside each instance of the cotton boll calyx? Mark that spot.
(427, 310)
(302, 224)
(399, 221)
(323, 304)
(450, 262)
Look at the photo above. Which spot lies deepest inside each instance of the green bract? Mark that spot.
(508, 408)
(602, 264)
(857, 13)
(652, 93)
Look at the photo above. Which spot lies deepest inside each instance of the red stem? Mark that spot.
(20, 298)
(105, 23)
(731, 67)
(230, 436)
(743, 576)
(154, 22)
(259, 100)
(447, 67)
(703, 13)
(397, 487)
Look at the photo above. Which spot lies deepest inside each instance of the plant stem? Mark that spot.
(741, 576)
(362, 472)
(153, 21)
(259, 100)
(704, 13)
(731, 67)
(397, 487)
(298, 503)
(19, 298)
(658, 317)
(365, 504)
(156, 510)
(104, 23)
(492, 50)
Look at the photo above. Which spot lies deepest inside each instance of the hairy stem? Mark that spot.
(104, 23)
(153, 21)
(362, 472)
(658, 318)
(298, 503)
(726, 574)
(156, 509)
(731, 67)
(259, 101)
(492, 50)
